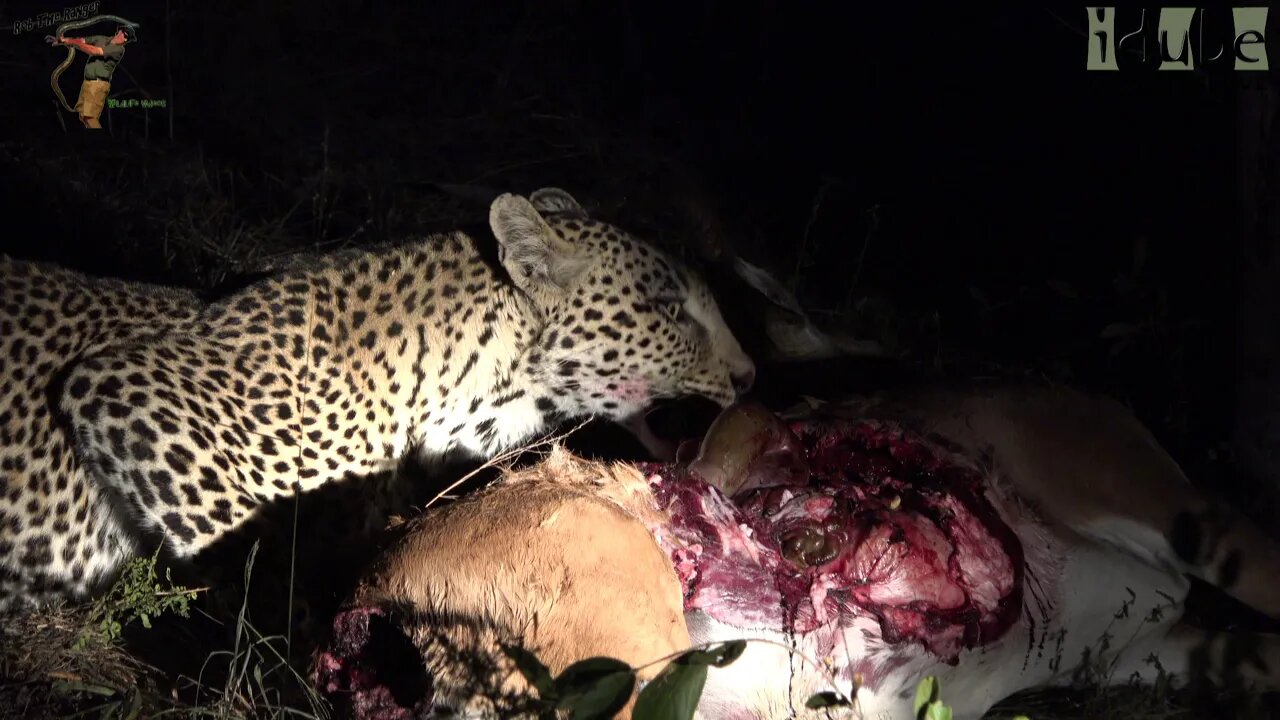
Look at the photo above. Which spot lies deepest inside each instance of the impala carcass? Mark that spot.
(995, 538)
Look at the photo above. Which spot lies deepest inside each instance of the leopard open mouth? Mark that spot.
(668, 423)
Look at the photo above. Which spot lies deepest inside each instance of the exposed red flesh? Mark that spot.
(372, 669)
(889, 525)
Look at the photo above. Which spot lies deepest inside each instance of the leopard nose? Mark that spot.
(742, 381)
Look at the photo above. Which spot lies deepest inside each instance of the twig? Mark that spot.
(820, 667)
(874, 212)
(808, 226)
(493, 462)
(183, 591)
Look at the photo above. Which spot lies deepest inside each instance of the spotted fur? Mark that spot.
(130, 413)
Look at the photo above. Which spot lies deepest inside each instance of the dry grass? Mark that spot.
(71, 660)
(48, 671)
(1131, 703)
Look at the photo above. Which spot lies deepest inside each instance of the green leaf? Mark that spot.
(675, 692)
(938, 711)
(926, 692)
(534, 672)
(718, 655)
(135, 705)
(825, 700)
(595, 688)
(72, 686)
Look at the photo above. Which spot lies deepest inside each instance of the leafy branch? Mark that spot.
(599, 687)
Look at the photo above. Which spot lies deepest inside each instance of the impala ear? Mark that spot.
(555, 200)
(536, 257)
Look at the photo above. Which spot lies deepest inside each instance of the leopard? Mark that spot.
(138, 416)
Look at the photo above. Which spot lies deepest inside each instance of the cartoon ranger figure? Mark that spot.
(105, 53)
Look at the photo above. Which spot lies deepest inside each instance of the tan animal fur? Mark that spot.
(559, 557)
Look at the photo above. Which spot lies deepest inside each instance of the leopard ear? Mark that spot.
(555, 200)
(535, 256)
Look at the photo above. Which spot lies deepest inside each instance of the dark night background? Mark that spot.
(948, 180)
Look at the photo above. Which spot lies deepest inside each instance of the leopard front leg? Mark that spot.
(167, 447)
